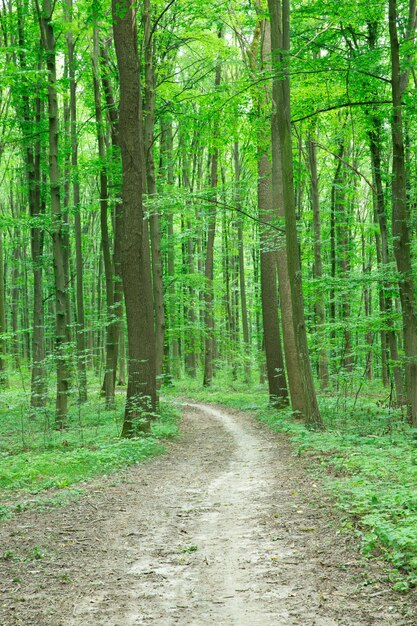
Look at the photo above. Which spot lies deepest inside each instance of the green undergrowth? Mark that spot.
(367, 458)
(35, 457)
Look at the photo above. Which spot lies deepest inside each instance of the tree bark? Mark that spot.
(3, 367)
(80, 326)
(242, 280)
(208, 272)
(111, 334)
(400, 220)
(167, 161)
(277, 384)
(318, 266)
(36, 209)
(58, 226)
(136, 268)
(118, 323)
(209, 265)
(154, 220)
(281, 135)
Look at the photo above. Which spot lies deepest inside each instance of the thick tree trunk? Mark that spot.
(281, 135)
(400, 221)
(285, 302)
(269, 243)
(275, 369)
(136, 268)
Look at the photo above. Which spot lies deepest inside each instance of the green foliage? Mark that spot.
(189, 549)
(367, 458)
(35, 457)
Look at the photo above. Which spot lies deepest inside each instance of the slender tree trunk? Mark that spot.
(209, 265)
(111, 334)
(155, 231)
(80, 326)
(281, 135)
(386, 286)
(137, 283)
(36, 208)
(242, 281)
(367, 301)
(336, 183)
(209, 268)
(15, 279)
(118, 323)
(3, 368)
(318, 266)
(167, 160)
(342, 229)
(400, 219)
(58, 237)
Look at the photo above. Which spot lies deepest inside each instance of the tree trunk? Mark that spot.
(111, 334)
(149, 123)
(80, 326)
(167, 160)
(209, 265)
(3, 367)
(400, 219)
(290, 348)
(118, 323)
(281, 138)
(318, 266)
(136, 269)
(242, 281)
(36, 208)
(277, 384)
(58, 237)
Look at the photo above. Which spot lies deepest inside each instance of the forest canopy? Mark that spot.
(207, 189)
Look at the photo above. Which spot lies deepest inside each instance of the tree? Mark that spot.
(281, 133)
(136, 269)
(45, 15)
(400, 213)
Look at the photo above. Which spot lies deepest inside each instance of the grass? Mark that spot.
(366, 457)
(35, 457)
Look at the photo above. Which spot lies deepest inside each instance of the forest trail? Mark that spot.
(224, 529)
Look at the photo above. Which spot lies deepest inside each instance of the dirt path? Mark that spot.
(225, 529)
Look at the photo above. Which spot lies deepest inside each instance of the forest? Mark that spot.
(210, 204)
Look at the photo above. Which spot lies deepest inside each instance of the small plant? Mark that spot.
(38, 553)
(189, 549)
(9, 555)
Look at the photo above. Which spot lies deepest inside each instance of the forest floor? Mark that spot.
(226, 528)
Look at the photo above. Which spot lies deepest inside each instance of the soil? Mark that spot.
(226, 528)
